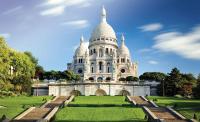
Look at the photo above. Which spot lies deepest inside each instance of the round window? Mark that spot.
(122, 70)
(80, 71)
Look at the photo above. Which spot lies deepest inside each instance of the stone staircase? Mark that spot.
(163, 114)
(141, 102)
(38, 114)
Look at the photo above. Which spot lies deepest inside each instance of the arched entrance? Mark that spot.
(100, 92)
(75, 93)
(124, 93)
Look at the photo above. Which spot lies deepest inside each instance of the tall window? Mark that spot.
(122, 60)
(106, 50)
(80, 60)
(108, 69)
(90, 52)
(92, 70)
(111, 51)
(100, 52)
(100, 65)
(94, 50)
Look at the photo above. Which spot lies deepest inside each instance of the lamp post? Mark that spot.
(163, 87)
(37, 85)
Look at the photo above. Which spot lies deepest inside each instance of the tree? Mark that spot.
(131, 78)
(172, 81)
(4, 59)
(39, 72)
(33, 59)
(197, 88)
(153, 76)
(188, 81)
(77, 78)
(122, 79)
(69, 75)
(24, 82)
(16, 68)
(187, 89)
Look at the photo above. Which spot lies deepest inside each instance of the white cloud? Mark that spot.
(66, 2)
(54, 2)
(77, 23)
(57, 7)
(86, 4)
(58, 10)
(12, 10)
(76, 2)
(151, 27)
(186, 45)
(5, 35)
(152, 62)
(144, 50)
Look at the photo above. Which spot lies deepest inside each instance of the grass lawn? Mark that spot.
(95, 100)
(15, 105)
(100, 113)
(187, 107)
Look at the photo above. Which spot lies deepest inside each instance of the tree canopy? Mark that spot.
(153, 76)
(15, 65)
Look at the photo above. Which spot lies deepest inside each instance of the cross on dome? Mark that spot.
(103, 14)
(122, 39)
(81, 39)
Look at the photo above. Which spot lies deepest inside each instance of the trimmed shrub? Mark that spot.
(3, 117)
(75, 93)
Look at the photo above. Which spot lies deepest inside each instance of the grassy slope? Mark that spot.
(118, 100)
(125, 113)
(15, 105)
(100, 114)
(187, 107)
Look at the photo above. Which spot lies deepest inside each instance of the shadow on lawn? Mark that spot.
(101, 121)
(100, 105)
(183, 104)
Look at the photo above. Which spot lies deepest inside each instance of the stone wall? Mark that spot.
(91, 89)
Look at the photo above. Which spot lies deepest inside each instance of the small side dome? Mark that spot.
(123, 49)
(81, 50)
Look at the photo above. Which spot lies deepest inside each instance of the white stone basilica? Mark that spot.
(103, 60)
(101, 65)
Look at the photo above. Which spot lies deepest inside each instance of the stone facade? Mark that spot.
(97, 89)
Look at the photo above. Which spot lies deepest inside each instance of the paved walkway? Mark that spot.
(40, 113)
(159, 112)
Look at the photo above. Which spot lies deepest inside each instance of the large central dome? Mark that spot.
(103, 29)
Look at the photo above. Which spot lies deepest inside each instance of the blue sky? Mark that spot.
(161, 34)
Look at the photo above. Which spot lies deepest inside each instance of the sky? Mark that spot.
(160, 34)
